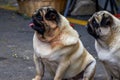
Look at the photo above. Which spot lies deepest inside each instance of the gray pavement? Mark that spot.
(16, 50)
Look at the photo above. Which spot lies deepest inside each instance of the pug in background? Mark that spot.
(57, 46)
(105, 28)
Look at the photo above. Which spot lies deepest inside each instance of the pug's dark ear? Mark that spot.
(51, 15)
(106, 20)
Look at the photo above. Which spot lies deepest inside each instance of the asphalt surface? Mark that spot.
(16, 62)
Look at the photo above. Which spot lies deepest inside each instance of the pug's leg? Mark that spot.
(107, 70)
(90, 71)
(39, 68)
(61, 70)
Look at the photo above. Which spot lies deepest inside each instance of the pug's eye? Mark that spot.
(40, 18)
(95, 24)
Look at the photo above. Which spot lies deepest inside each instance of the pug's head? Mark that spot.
(100, 24)
(45, 20)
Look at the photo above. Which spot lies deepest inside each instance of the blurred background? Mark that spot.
(16, 62)
(72, 9)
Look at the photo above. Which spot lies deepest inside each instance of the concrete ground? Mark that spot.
(16, 50)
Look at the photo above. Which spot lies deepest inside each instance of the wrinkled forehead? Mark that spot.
(43, 10)
(99, 15)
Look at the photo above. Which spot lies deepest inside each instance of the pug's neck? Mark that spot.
(49, 36)
(108, 41)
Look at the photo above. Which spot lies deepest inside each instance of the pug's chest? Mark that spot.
(107, 56)
(45, 51)
(104, 55)
(42, 50)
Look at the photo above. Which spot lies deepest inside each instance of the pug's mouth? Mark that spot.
(37, 26)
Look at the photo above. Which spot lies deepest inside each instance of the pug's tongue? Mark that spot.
(31, 24)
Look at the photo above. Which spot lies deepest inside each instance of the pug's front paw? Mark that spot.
(37, 78)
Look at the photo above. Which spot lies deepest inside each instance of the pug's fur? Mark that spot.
(105, 28)
(57, 45)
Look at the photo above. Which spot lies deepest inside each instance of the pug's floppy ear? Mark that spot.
(51, 15)
(106, 20)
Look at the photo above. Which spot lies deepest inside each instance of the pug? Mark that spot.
(57, 46)
(105, 28)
